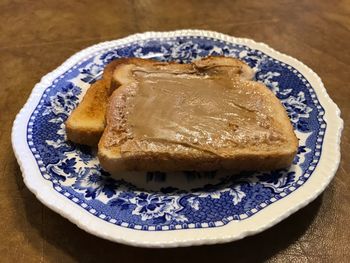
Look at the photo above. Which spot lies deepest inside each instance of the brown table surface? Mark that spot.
(37, 36)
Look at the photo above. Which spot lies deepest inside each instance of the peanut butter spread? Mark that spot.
(211, 113)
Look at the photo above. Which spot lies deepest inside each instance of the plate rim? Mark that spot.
(186, 237)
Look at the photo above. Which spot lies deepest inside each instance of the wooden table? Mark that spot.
(37, 36)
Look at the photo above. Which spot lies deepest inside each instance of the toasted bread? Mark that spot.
(206, 115)
(87, 122)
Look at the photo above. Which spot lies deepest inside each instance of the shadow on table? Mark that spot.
(67, 240)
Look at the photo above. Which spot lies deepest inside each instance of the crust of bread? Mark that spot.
(260, 158)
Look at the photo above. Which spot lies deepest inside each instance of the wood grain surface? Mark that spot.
(37, 36)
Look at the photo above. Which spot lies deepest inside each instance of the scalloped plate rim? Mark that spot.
(268, 217)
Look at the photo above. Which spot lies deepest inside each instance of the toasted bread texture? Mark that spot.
(206, 115)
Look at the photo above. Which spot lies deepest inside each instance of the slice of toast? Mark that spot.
(206, 115)
(86, 123)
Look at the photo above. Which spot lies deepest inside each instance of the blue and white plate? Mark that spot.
(69, 180)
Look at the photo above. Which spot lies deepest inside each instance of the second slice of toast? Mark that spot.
(86, 123)
(206, 115)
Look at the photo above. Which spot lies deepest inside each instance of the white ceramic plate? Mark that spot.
(68, 179)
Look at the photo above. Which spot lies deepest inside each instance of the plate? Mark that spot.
(68, 179)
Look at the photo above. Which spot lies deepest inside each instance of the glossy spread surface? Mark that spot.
(209, 113)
